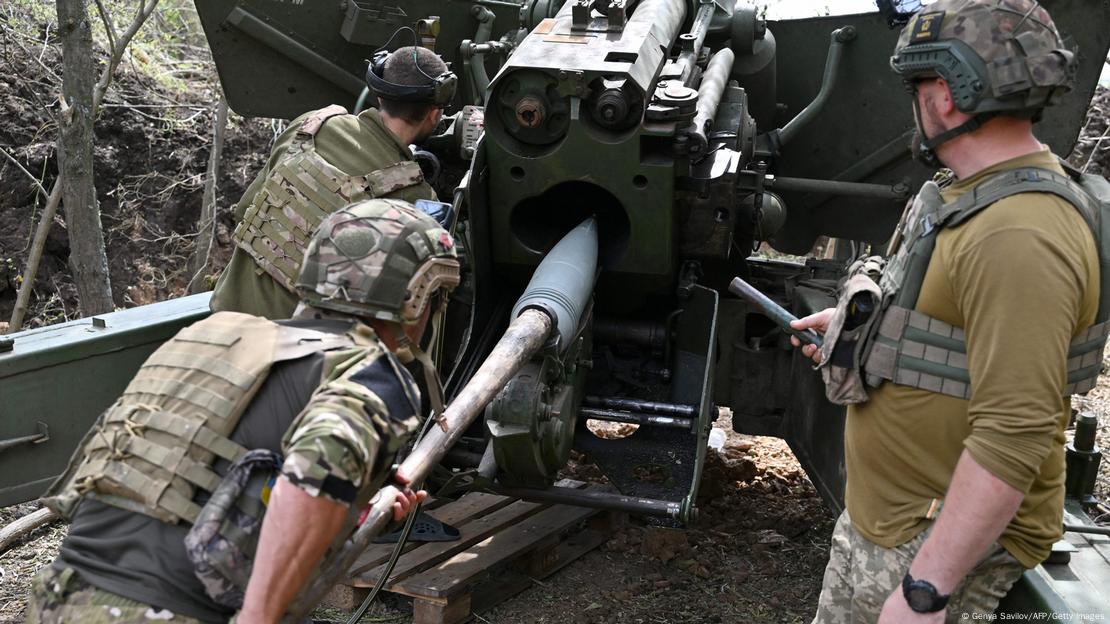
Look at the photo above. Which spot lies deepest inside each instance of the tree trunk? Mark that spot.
(87, 257)
(206, 225)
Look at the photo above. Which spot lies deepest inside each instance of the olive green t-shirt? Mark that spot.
(356, 145)
(1021, 278)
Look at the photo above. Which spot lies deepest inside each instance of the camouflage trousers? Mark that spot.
(861, 575)
(59, 597)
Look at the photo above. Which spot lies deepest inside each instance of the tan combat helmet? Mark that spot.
(378, 258)
(997, 56)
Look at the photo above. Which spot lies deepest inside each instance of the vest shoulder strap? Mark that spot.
(311, 124)
(1016, 182)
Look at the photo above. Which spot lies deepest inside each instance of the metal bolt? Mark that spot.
(675, 90)
(530, 112)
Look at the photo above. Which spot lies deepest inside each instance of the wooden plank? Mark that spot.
(456, 574)
(453, 612)
(501, 587)
(469, 506)
(428, 555)
(567, 551)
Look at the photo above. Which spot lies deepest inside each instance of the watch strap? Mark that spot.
(915, 590)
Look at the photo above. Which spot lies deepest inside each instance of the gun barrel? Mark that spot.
(557, 294)
(773, 311)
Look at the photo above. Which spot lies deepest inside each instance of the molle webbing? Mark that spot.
(299, 192)
(155, 445)
(912, 349)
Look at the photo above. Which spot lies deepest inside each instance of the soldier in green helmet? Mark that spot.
(957, 351)
(323, 161)
(242, 452)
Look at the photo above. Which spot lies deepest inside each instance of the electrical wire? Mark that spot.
(356, 617)
(410, 520)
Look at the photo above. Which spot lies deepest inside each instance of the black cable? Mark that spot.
(415, 45)
(398, 549)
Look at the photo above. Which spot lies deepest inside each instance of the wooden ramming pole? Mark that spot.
(524, 337)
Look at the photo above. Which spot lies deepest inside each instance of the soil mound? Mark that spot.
(153, 138)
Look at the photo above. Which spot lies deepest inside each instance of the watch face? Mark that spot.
(920, 599)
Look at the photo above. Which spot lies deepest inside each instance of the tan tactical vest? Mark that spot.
(300, 191)
(912, 349)
(155, 445)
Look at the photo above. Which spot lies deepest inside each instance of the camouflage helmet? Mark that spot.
(997, 56)
(378, 258)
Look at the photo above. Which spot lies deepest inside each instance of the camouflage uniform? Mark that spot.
(376, 259)
(351, 154)
(861, 575)
(61, 597)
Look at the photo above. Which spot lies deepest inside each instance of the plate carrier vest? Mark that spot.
(152, 448)
(913, 349)
(300, 191)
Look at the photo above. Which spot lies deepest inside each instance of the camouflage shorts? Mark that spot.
(861, 575)
(58, 597)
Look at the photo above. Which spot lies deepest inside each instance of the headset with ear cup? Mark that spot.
(438, 91)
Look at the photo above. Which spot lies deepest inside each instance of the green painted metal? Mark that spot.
(1077, 589)
(57, 379)
(578, 123)
(280, 59)
(862, 134)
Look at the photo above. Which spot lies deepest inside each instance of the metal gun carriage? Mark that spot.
(691, 131)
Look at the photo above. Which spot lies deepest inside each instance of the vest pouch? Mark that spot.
(846, 339)
(221, 544)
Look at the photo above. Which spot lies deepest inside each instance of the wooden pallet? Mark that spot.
(504, 544)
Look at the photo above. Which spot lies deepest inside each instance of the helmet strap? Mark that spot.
(928, 147)
(431, 375)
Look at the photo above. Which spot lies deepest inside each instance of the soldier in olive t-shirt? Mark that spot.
(955, 464)
(1022, 279)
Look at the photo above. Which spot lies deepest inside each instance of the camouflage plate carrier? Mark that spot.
(155, 445)
(909, 348)
(300, 191)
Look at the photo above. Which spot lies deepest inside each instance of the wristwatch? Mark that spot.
(922, 596)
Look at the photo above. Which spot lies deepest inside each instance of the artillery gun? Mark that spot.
(686, 134)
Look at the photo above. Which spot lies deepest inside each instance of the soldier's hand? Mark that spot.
(406, 498)
(818, 322)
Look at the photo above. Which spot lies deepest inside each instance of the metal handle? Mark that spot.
(38, 438)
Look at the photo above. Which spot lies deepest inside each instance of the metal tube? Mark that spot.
(639, 405)
(839, 37)
(836, 187)
(710, 90)
(661, 18)
(475, 63)
(597, 500)
(1086, 428)
(636, 418)
(14, 442)
(1090, 529)
(774, 311)
(524, 337)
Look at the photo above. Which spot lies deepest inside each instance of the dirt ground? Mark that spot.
(756, 554)
(152, 142)
(757, 551)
